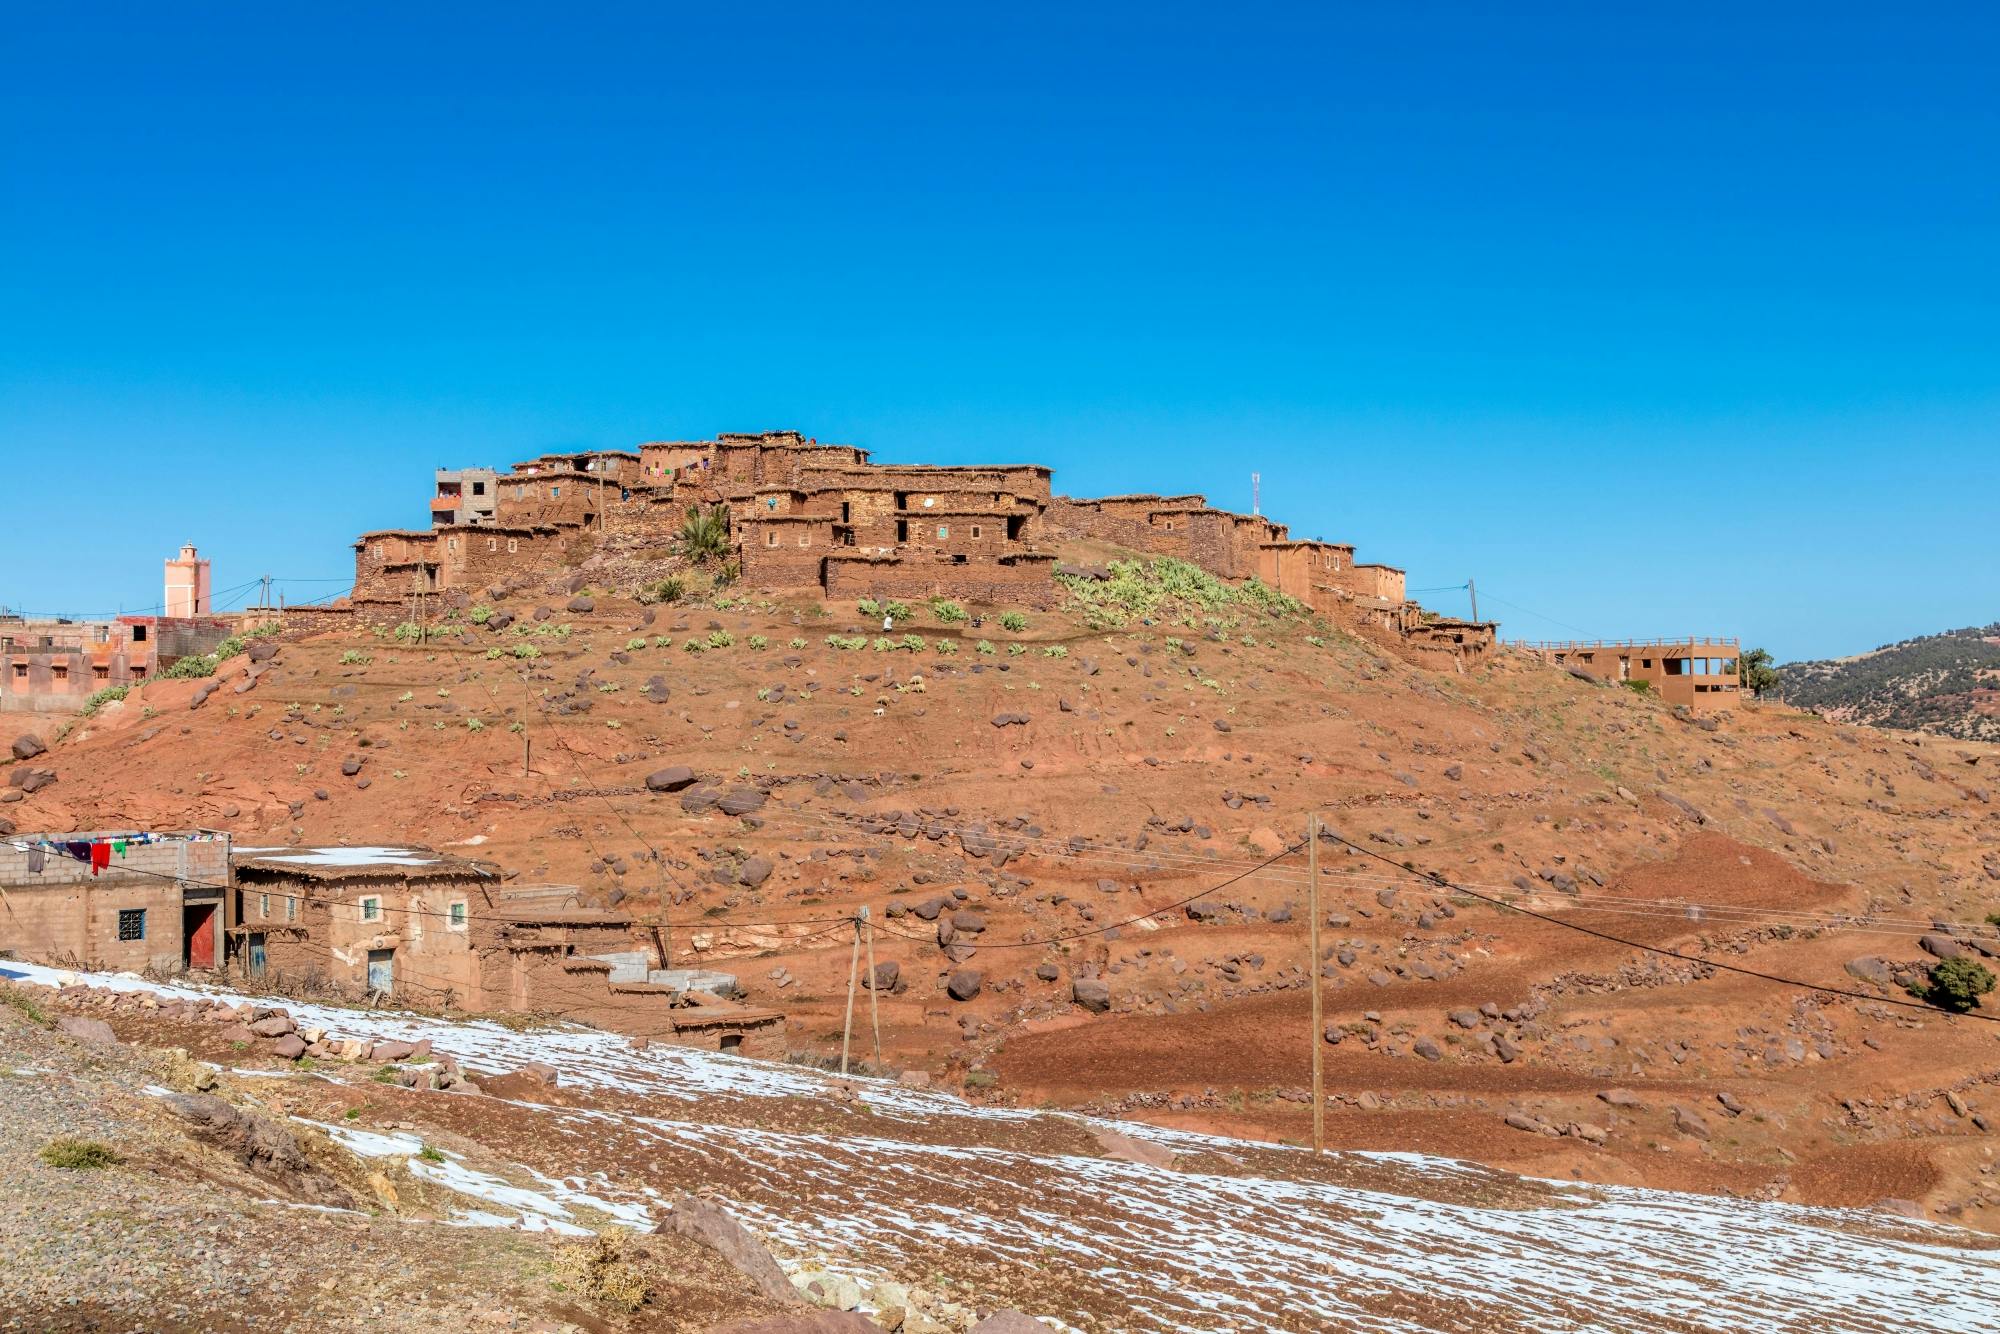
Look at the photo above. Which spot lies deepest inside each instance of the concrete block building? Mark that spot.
(120, 900)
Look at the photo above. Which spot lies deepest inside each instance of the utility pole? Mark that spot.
(1472, 587)
(265, 601)
(874, 1013)
(853, 963)
(1317, 1037)
(1256, 483)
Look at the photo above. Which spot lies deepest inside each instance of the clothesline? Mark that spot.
(96, 853)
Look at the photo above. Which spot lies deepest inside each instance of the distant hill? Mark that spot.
(1946, 683)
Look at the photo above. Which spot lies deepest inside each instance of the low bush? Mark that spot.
(99, 699)
(79, 1155)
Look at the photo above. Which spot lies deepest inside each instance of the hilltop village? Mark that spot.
(806, 516)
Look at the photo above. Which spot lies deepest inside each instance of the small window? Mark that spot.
(60, 671)
(455, 914)
(263, 905)
(770, 502)
(138, 669)
(20, 671)
(805, 538)
(451, 544)
(138, 634)
(944, 530)
(513, 545)
(378, 551)
(291, 908)
(371, 909)
(771, 539)
(479, 488)
(101, 671)
(492, 544)
(554, 491)
(975, 530)
(131, 923)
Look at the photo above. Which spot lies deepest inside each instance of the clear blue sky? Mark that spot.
(1655, 324)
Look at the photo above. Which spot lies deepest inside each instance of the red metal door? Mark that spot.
(200, 928)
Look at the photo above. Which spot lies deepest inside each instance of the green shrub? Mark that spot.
(430, 1155)
(847, 643)
(668, 589)
(914, 643)
(103, 697)
(1149, 589)
(1056, 651)
(758, 642)
(946, 611)
(1013, 621)
(635, 643)
(721, 639)
(693, 646)
(983, 646)
(882, 644)
(798, 641)
(481, 615)
(1956, 984)
(79, 1155)
(704, 533)
(1639, 687)
(190, 667)
(525, 650)
(1016, 650)
(946, 646)
(354, 657)
(474, 725)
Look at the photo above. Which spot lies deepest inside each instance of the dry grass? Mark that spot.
(79, 1155)
(602, 1270)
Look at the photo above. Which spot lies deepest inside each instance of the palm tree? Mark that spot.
(704, 533)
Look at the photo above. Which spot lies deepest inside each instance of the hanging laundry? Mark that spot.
(35, 860)
(100, 857)
(118, 846)
(78, 849)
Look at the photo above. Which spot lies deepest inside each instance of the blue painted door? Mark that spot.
(382, 971)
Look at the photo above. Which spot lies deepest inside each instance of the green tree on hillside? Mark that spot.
(1957, 984)
(1759, 675)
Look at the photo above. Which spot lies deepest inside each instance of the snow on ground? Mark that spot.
(1401, 1242)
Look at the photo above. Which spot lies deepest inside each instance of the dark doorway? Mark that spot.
(732, 1042)
(198, 935)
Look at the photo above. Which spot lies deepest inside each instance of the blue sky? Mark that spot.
(1655, 324)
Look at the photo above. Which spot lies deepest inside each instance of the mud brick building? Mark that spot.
(1700, 672)
(825, 518)
(157, 903)
(427, 928)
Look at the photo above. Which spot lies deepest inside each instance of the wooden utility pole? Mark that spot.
(847, 1029)
(1472, 587)
(1317, 1037)
(874, 1011)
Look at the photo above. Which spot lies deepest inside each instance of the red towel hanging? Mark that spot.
(100, 857)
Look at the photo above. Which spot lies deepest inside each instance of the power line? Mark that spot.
(1438, 880)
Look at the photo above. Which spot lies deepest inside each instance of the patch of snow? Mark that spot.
(340, 856)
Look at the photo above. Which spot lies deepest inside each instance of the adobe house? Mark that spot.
(426, 928)
(157, 902)
(1700, 672)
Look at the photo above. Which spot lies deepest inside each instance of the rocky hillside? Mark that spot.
(1946, 684)
(909, 1207)
(1081, 835)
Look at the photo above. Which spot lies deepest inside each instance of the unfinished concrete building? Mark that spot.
(1700, 672)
